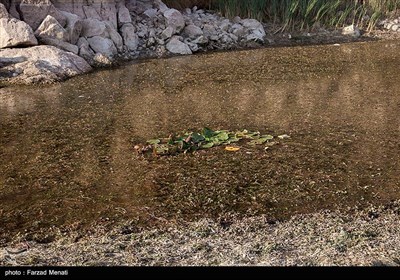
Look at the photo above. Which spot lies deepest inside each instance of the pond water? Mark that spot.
(67, 156)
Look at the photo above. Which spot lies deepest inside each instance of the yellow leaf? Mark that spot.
(232, 149)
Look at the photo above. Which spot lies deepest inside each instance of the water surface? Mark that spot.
(67, 157)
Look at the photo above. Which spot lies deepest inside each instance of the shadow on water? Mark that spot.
(67, 153)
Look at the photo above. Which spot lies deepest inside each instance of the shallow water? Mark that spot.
(67, 157)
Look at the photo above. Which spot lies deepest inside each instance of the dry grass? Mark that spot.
(370, 237)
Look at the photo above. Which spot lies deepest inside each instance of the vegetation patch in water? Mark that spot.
(205, 139)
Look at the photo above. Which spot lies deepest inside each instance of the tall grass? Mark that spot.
(301, 14)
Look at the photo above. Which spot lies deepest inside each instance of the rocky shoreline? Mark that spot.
(45, 41)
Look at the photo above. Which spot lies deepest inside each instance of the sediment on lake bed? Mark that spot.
(368, 237)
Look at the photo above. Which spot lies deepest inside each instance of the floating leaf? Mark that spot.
(284, 136)
(207, 146)
(267, 136)
(232, 149)
(154, 141)
(208, 133)
(223, 136)
(259, 141)
(161, 149)
(232, 140)
(196, 137)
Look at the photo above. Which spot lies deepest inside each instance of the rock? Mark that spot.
(103, 45)
(192, 31)
(193, 47)
(160, 51)
(43, 64)
(59, 44)
(114, 36)
(33, 12)
(177, 47)
(254, 29)
(100, 60)
(123, 15)
(93, 27)
(73, 27)
(129, 36)
(91, 13)
(142, 30)
(52, 29)
(3, 12)
(13, 9)
(139, 6)
(150, 13)
(85, 51)
(175, 20)
(236, 19)
(351, 30)
(209, 30)
(202, 40)
(238, 30)
(6, 4)
(224, 25)
(395, 27)
(167, 33)
(82, 41)
(14, 32)
(108, 12)
(160, 6)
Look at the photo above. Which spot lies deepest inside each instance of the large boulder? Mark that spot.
(73, 27)
(103, 45)
(33, 12)
(93, 27)
(42, 64)
(131, 39)
(3, 12)
(14, 32)
(174, 19)
(175, 46)
(50, 28)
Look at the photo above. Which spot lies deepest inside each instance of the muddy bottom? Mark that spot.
(67, 153)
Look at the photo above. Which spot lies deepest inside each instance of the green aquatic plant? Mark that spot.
(205, 139)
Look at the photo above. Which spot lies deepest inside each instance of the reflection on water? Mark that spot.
(66, 150)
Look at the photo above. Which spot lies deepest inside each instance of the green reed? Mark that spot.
(301, 14)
